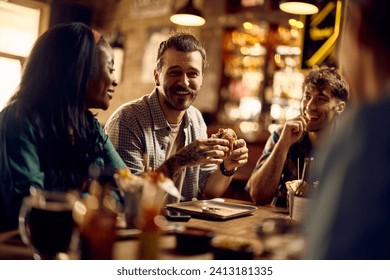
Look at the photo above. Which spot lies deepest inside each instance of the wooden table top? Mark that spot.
(11, 247)
(240, 228)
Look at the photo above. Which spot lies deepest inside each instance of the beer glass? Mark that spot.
(46, 224)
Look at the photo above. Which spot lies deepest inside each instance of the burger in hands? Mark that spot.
(228, 134)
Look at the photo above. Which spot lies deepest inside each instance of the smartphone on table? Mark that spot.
(176, 216)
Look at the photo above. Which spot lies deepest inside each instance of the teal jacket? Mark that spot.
(28, 158)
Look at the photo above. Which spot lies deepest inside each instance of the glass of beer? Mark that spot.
(46, 224)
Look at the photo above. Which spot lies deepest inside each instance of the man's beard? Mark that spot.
(179, 102)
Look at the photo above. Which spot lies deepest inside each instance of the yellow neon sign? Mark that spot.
(332, 33)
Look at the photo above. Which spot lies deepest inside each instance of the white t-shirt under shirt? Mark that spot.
(176, 142)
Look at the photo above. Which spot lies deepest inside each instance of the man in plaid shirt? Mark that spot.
(165, 132)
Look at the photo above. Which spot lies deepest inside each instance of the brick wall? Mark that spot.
(110, 15)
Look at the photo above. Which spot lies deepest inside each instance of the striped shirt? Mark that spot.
(139, 127)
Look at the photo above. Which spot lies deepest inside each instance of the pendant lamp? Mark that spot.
(188, 15)
(299, 7)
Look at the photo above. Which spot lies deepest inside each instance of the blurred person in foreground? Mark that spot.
(350, 218)
(325, 94)
(48, 137)
(162, 130)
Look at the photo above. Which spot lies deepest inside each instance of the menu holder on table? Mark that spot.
(212, 210)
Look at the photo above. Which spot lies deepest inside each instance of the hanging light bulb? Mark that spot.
(299, 7)
(188, 15)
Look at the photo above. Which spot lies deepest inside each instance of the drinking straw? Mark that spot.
(298, 169)
(304, 168)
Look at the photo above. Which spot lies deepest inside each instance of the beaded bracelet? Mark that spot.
(226, 172)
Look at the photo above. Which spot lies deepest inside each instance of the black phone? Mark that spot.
(172, 215)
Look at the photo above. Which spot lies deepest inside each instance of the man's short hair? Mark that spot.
(328, 78)
(182, 42)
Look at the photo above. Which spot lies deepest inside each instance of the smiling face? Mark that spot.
(102, 87)
(321, 108)
(180, 79)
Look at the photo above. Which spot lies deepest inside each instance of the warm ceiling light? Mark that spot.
(247, 25)
(188, 15)
(299, 7)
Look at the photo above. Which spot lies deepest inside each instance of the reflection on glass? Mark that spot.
(46, 224)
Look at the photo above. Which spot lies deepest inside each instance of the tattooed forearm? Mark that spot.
(190, 154)
(187, 156)
(171, 168)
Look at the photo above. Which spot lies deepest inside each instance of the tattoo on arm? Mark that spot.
(174, 165)
(170, 169)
